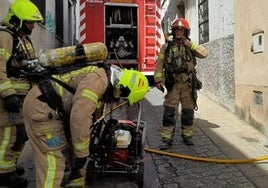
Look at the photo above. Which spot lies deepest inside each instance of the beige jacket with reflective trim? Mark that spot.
(199, 51)
(82, 107)
(9, 86)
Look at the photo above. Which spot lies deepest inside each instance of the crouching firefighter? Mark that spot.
(15, 46)
(175, 68)
(58, 112)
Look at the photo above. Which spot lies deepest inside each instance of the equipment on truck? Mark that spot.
(131, 30)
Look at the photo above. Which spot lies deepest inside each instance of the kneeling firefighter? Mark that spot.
(175, 68)
(15, 46)
(58, 116)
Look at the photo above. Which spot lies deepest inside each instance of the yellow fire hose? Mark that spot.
(200, 159)
(210, 160)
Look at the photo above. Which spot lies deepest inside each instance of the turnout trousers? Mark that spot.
(46, 133)
(11, 129)
(179, 94)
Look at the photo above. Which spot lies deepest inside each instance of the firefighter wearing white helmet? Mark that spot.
(15, 46)
(175, 69)
(58, 117)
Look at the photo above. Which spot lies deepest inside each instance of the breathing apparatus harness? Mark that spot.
(177, 65)
(35, 73)
(43, 76)
(50, 96)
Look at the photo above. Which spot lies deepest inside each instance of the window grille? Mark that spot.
(203, 21)
(59, 19)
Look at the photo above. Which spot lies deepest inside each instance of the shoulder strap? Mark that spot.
(64, 85)
(15, 44)
(168, 47)
(54, 101)
(15, 38)
(75, 67)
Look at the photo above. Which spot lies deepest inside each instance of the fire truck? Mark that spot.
(130, 29)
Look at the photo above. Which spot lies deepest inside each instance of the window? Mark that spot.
(203, 22)
(257, 42)
(59, 20)
(258, 98)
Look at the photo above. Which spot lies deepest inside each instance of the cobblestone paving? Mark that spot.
(169, 172)
(181, 173)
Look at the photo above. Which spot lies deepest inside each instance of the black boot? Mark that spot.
(188, 140)
(165, 144)
(13, 180)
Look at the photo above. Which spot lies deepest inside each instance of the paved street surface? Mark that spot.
(219, 135)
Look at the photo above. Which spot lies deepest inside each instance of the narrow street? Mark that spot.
(213, 139)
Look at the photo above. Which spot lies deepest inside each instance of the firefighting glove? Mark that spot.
(79, 163)
(21, 138)
(159, 85)
(12, 103)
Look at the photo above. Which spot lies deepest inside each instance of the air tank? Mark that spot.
(65, 56)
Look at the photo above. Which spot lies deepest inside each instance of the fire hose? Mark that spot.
(193, 158)
(209, 160)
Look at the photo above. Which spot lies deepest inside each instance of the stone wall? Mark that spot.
(217, 72)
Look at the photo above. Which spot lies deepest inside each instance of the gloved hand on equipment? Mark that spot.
(12, 103)
(160, 86)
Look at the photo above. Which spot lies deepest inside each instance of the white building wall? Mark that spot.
(50, 16)
(220, 19)
(191, 14)
(219, 65)
(43, 36)
(4, 5)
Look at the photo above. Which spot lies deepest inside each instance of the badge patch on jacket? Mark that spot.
(54, 142)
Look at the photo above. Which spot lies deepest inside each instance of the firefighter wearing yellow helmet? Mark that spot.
(15, 46)
(131, 85)
(175, 69)
(49, 107)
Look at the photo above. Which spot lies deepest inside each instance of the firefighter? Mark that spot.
(175, 68)
(47, 127)
(15, 46)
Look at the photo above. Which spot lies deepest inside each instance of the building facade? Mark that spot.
(58, 28)
(233, 75)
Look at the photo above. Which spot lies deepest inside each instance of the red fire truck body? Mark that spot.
(129, 28)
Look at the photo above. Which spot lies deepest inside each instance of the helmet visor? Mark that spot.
(116, 73)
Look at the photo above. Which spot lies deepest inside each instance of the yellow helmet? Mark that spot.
(23, 10)
(133, 85)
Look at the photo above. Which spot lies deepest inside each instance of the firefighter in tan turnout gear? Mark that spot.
(58, 115)
(15, 46)
(175, 68)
